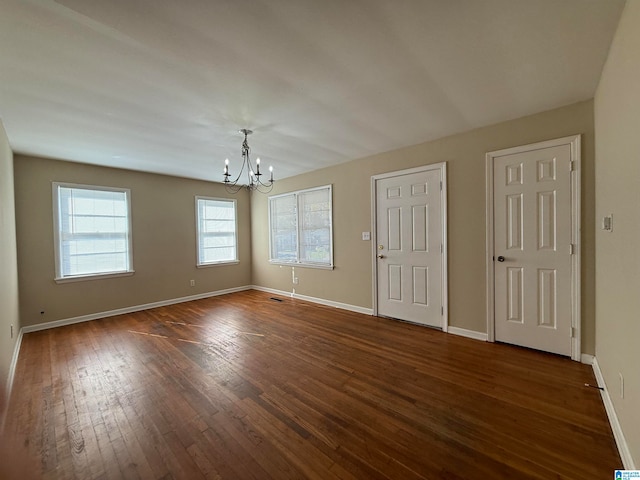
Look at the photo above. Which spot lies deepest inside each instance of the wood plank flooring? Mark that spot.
(245, 387)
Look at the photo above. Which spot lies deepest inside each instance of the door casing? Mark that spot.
(574, 142)
(442, 168)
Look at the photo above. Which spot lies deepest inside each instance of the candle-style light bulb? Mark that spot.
(258, 166)
(271, 173)
(226, 166)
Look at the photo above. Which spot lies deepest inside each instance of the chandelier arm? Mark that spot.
(237, 179)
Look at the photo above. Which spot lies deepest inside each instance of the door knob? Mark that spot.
(501, 258)
(380, 256)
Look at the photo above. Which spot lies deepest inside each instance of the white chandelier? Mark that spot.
(254, 182)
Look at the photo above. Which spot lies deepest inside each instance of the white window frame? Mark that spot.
(235, 231)
(298, 262)
(59, 277)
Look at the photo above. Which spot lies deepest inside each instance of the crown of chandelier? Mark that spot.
(253, 179)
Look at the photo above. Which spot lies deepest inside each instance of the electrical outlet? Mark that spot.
(296, 281)
(621, 385)
(192, 283)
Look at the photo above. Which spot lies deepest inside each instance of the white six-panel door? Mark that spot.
(409, 251)
(533, 248)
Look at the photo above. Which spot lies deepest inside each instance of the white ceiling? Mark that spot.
(163, 86)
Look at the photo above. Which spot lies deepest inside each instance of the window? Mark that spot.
(92, 231)
(216, 224)
(300, 225)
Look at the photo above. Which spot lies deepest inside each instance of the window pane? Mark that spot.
(93, 231)
(216, 231)
(283, 218)
(300, 227)
(315, 231)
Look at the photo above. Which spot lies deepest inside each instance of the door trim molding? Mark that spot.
(574, 142)
(442, 167)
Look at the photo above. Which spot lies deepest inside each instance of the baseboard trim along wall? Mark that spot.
(10, 377)
(320, 301)
(134, 308)
(587, 359)
(623, 448)
(463, 332)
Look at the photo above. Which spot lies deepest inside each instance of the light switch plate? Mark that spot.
(366, 235)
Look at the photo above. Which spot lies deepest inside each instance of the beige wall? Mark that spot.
(351, 281)
(164, 242)
(617, 117)
(8, 265)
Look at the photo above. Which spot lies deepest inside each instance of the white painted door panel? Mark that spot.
(409, 233)
(532, 242)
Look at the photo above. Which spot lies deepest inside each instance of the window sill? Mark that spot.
(217, 264)
(302, 265)
(98, 276)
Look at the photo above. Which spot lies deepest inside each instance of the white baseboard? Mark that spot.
(135, 308)
(623, 448)
(366, 311)
(172, 301)
(320, 301)
(10, 377)
(463, 332)
(587, 359)
(14, 363)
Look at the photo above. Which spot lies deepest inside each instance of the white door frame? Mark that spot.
(442, 168)
(574, 142)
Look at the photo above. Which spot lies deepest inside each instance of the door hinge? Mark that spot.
(441, 311)
(572, 165)
(572, 249)
(441, 249)
(573, 332)
(440, 185)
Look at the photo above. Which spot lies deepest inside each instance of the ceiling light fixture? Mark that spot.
(253, 174)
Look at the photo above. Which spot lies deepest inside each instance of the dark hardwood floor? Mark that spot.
(244, 387)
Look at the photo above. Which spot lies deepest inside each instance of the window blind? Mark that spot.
(93, 234)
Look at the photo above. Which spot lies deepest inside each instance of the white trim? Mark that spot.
(587, 359)
(218, 264)
(10, 377)
(574, 142)
(623, 448)
(300, 263)
(134, 308)
(576, 240)
(445, 250)
(233, 201)
(489, 250)
(96, 276)
(14, 362)
(463, 332)
(59, 277)
(442, 167)
(320, 301)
